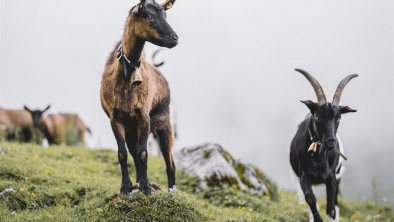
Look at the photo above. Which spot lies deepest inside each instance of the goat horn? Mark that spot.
(341, 86)
(321, 97)
(153, 59)
(168, 4)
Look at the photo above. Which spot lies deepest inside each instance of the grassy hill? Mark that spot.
(78, 184)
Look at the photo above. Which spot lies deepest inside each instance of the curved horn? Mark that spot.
(27, 108)
(341, 86)
(168, 4)
(321, 97)
(46, 109)
(153, 59)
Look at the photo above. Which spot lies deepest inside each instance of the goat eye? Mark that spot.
(150, 17)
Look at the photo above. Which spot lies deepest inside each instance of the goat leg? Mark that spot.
(166, 138)
(331, 196)
(310, 198)
(144, 130)
(126, 186)
(131, 140)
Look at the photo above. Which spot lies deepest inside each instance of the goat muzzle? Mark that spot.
(330, 143)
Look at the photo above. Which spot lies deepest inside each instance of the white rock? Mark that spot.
(7, 191)
(210, 162)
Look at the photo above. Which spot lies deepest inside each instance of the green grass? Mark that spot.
(77, 184)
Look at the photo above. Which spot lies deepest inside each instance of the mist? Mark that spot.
(232, 75)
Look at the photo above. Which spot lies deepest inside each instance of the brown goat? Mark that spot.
(13, 120)
(56, 127)
(135, 95)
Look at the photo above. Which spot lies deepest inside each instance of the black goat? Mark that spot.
(314, 152)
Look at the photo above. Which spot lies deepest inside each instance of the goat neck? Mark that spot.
(313, 137)
(132, 47)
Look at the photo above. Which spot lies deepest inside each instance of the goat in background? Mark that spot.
(12, 121)
(62, 128)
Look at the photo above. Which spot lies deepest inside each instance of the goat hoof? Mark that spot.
(331, 212)
(145, 188)
(172, 189)
(317, 218)
(126, 188)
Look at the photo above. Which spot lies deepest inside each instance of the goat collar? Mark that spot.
(316, 145)
(130, 70)
(311, 133)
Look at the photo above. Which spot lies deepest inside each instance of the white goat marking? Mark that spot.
(336, 215)
(341, 160)
(172, 189)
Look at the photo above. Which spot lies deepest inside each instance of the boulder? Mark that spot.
(213, 166)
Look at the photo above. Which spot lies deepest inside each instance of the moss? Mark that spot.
(187, 182)
(229, 158)
(8, 174)
(240, 168)
(158, 207)
(271, 186)
(206, 154)
(230, 196)
(218, 180)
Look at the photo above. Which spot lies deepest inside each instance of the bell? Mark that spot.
(312, 148)
(136, 78)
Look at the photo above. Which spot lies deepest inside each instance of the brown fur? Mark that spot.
(11, 120)
(133, 109)
(116, 94)
(55, 127)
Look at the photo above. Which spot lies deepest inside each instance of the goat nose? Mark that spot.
(174, 37)
(331, 142)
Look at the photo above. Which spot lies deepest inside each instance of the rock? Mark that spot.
(3, 150)
(213, 166)
(7, 191)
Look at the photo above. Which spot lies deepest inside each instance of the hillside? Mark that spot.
(78, 184)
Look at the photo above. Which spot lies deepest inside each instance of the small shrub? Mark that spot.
(162, 207)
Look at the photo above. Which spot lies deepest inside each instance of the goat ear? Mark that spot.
(346, 109)
(46, 109)
(26, 108)
(168, 4)
(311, 105)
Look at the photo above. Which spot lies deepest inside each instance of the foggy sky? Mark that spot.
(232, 75)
